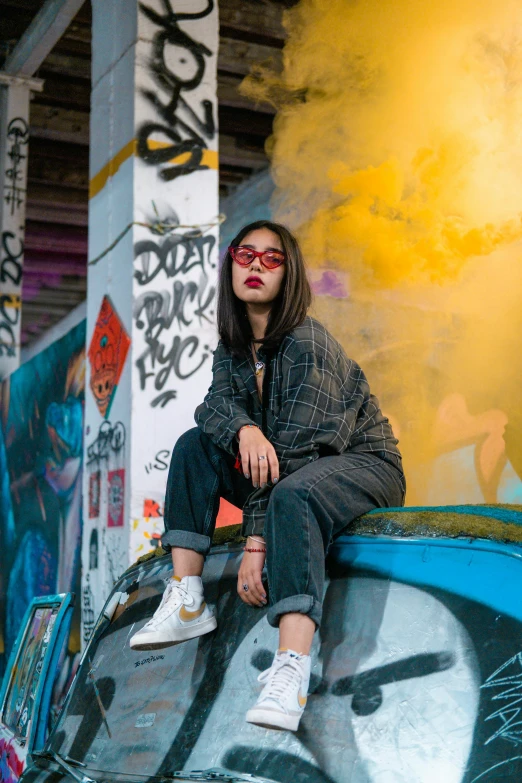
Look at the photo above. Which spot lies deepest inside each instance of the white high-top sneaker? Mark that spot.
(182, 614)
(283, 699)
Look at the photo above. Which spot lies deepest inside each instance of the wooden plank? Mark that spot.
(69, 93)
(245, 122)
(229, 95)
(73, 215)
(43, 33)
(231, 154)
(35, 308)
(73, 153)
(238, 56)
(76, 66)
(40, 193)
(59, 124)
(252, 20)
(69, 172)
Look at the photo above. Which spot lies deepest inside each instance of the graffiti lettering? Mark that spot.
(88, 615)
(510, 697)
(151, 509)
(177, 66)
(151, 659)
(9, 318)
(172, 360)
(161, 461)
(156, 311)
(115, 554)
(18, 135)
(176, 255)
(11, 265)
(164, 398)
(110, 440)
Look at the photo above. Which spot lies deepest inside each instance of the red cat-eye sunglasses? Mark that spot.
(245, 255)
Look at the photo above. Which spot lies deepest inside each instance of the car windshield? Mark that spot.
(137, 714)
(133, 716)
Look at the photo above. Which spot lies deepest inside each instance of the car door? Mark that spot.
(25, 696)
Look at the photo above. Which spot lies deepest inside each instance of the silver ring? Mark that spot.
(245, 588)
(262, 456)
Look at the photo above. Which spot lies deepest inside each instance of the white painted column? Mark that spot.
(15, 96)
(153, 238)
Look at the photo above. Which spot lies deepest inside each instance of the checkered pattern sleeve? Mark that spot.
(224, 410)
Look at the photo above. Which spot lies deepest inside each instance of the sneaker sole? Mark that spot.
(269, 719)
(157, 642)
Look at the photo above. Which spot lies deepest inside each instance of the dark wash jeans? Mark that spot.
(306, 511)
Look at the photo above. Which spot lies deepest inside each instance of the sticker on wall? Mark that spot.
(94, 494)
(116, 497)
(107, 353)
(151, 508)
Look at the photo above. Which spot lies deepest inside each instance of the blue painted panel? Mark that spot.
(479, 570)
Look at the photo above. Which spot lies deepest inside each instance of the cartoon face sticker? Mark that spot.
(107, 353)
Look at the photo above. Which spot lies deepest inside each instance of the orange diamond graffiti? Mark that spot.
(107, 352)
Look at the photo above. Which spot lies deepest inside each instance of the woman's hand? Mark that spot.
(250, 575)
(258, 456)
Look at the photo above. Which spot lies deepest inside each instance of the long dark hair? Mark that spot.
(289, 308)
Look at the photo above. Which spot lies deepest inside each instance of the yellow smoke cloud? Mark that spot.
(398, 134)
(397, 157)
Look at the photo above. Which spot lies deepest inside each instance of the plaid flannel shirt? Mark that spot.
(316, 401)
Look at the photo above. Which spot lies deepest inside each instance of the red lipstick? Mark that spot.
(253, 282)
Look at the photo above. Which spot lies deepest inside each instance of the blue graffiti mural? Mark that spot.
(41, 407)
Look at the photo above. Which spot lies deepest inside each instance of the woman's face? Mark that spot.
(254, 284)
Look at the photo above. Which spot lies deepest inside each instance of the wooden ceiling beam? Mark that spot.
(59, 124)
(245, 122)
(41, 36)
(69, 173)
(57, 214)
(238, 56)
(66, 92)
(229, 95)
(231, 154)
(256, 21)
(73, 65)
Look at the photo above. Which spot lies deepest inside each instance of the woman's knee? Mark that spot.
(287, 500)
(189, 440)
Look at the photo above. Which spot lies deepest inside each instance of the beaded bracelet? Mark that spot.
(249, 549)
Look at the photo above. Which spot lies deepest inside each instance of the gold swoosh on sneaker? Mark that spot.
(186, 616)
(302, 700)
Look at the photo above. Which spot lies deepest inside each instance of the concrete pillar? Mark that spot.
(153, 236)
(15, 96)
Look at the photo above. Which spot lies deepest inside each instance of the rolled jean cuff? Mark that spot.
(186, 540)
(303, 604)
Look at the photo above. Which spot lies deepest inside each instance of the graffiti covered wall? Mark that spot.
(41, 467)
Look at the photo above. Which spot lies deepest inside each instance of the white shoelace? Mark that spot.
(284, 673)
(174, 595)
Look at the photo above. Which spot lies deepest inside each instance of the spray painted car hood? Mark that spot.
(416, 675)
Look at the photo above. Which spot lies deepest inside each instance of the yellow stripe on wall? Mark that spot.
(99, 180)
(210, 159)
